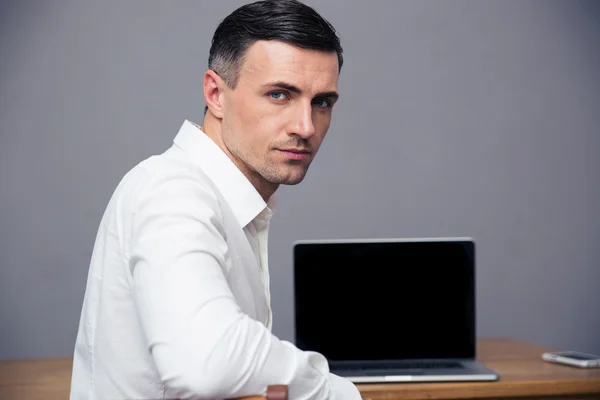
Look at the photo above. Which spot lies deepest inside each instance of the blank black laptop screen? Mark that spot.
(385, 300)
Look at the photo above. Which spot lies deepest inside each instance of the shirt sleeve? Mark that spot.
(203, 345)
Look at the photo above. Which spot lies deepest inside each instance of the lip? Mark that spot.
(295, 154)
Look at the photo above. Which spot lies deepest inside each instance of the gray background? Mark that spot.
(474, 118)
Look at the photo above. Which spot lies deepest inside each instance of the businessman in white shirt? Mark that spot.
(177, 300)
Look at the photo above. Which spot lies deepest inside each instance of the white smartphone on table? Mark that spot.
(573, 358)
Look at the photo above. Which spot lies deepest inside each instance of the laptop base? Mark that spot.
(468, 372)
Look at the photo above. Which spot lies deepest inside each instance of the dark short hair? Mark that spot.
(288, 21)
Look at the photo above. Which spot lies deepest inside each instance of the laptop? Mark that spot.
(389, 310)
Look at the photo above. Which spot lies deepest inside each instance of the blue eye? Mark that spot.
(278, 95)
(322, 103)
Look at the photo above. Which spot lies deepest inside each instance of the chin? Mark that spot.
(284, 174)
(288, 179)
(292, 182)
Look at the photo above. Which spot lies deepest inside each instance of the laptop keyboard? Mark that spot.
(407, 365)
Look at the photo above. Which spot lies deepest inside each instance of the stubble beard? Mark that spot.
(268, 169)
(274, 174)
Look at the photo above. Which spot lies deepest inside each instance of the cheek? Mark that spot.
(321, 123)
(246, 109)
(317, 140)
(257, 132)
(255, 116)
(322, 119)
(266, 125)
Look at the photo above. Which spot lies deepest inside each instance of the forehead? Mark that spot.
(272, 61)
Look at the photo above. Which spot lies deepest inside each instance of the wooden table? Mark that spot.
(523, 375)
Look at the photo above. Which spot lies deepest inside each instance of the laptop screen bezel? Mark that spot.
(471, 340)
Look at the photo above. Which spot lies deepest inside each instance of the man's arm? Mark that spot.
(203, 345)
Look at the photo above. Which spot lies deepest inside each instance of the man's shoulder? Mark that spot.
(169, 171)
(170, 163)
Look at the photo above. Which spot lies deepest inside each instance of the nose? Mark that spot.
(303, 123)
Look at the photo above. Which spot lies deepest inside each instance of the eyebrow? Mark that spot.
(294, 89)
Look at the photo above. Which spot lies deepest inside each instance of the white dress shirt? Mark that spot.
(177, 300)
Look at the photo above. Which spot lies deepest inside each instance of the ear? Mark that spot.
(213, 87)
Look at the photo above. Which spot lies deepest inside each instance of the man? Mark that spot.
(177, 301)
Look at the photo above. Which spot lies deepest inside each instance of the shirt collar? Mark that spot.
(240, 194)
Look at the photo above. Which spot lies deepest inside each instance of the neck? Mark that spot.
(212, 127)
